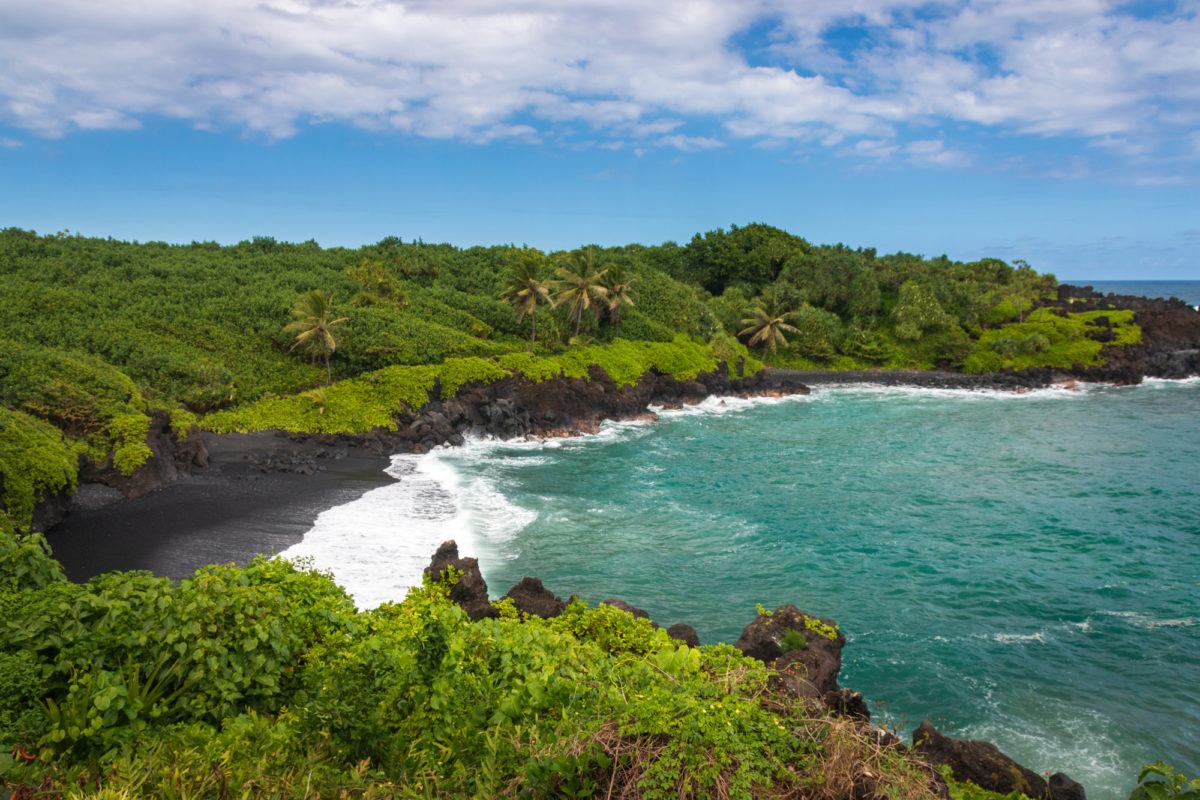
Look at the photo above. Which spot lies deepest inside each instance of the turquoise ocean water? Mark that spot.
(1018, 568)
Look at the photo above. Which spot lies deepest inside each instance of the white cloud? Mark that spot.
(933, 152)
(11, 144)
(691, 144)
(634, 72)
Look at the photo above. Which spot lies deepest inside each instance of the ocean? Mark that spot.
(1188, 291)
(1021, 568)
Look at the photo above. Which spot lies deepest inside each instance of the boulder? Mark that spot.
(531, 597)
(684, 633)
(984, 765)
(1063, 788)
(470, 592)
(638, 613)
(762, 639)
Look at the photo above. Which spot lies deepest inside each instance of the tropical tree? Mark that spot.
(525, 290)
(316, 333)
(766, 327)
(619, 288)
(580, 287)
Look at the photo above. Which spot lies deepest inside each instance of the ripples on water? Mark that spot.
(1018, 568)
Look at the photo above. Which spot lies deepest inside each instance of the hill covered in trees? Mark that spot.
(100, 334)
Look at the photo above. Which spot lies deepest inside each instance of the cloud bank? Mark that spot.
(875, 79)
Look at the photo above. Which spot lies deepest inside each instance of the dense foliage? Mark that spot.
(266, 681)
(101, 334)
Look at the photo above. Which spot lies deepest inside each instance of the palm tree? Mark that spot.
(525, 291)
(580, 287)
(767, 327)
(619, 287)
(316, 334)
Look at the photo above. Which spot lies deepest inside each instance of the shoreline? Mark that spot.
(261, 492)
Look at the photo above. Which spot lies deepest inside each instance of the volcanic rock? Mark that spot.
(684, 633)
(983, 764)
(470, 592)
(531, 597)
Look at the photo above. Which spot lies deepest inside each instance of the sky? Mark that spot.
(1062, 132)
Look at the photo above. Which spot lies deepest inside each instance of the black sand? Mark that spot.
(230, 511)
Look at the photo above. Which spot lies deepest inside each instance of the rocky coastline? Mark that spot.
(805, 669)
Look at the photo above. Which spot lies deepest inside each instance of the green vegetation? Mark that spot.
(374, 399)
(968, 791)
(35, 461)
(266, 682)
(792, 640)
(316, 332)
(1047, 339)
(1160, 782)
(766, 328)
(242, 337)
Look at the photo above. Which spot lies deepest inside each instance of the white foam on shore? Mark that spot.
(1076, 390)
(1195, 379)
(378, 545)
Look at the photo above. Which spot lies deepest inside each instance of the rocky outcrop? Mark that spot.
(531, 597)
(171, 457)
(1170, 346)
(983, 764)
(809, 670)
(470, 590)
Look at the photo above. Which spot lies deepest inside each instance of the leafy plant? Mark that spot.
(1159, 781)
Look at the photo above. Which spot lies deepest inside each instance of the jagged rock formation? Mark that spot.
(983, 764)
(531, 597)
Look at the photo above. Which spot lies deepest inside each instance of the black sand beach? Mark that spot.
(241, 505)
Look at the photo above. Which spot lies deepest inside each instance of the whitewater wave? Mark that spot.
(378, 545)
(1067, 738)
(1149, 622)
(831, 390)
(1195, 379)
(1019, 638)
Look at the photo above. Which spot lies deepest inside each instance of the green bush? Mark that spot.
(1160, 782)
(35, 461)
(1047, 339)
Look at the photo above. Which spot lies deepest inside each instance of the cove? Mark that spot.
(1021, 568)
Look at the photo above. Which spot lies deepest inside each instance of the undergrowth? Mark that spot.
(265, 682)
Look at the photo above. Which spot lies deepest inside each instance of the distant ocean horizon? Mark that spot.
(1187, 291)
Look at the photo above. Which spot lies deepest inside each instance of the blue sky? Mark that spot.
(1066, 133)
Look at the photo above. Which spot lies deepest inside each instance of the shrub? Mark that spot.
(35, 461)
(1160, 782)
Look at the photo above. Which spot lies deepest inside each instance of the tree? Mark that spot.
(619, 287)
(525, 290)
(580, 288)
(379, 286)
(766, 327)
(316, 334)
(917, 312)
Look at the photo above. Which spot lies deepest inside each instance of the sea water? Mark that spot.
(1021, 568)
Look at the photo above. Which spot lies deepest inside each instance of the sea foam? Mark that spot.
(378, 545)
